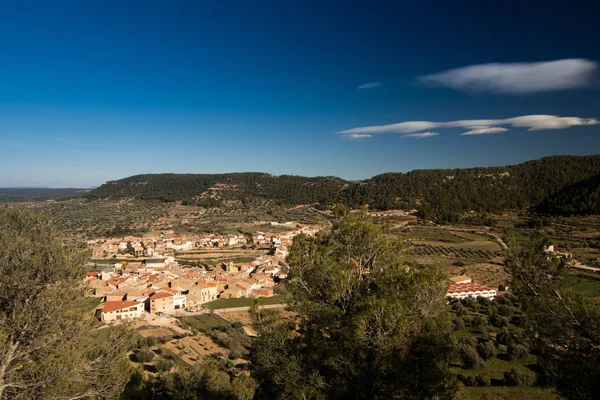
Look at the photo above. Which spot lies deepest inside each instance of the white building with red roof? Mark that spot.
(463, 290)
(120, 310)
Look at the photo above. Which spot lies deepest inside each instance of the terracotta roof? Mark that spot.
(118, 305)
(467, 288)
(161, 295)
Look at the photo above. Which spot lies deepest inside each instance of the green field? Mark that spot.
(506, 392)
(243, 302)
(586, 286)
(86, 304)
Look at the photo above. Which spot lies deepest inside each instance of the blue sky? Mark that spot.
(95, 91)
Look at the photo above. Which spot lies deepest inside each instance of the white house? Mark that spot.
(120, 310)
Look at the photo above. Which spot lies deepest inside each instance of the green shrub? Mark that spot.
(487, 350)
(469, 341)
(164, 365)
(469, 380)
(517, 351)
(144, 355)
(483, 380)
(151, 341)
(517, 377)
(504, 337)
(459, 324)
(469, 358)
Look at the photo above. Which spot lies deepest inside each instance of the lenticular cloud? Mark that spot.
(476, 126)
(517, 78)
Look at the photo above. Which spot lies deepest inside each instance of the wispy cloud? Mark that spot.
(484, 130)
(518, 78)
(477, 126)
(357, 136)
(370, 85)
(421, 135)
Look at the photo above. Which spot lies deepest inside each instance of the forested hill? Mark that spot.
(210, 189)
(582, 198)
(437, 193)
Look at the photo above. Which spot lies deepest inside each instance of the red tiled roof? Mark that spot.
(467, 288)
(118, 305)
(161, 295)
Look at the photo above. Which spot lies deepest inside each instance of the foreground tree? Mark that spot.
(369, 327)
(563, 326)
(48, 349)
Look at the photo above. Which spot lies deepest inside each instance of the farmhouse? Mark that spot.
(119, 310)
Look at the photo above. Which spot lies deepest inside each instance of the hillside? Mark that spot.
(212, 189)
(582, 198)
(441, 194)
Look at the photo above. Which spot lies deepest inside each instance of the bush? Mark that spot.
(499, 321)
(502, 349)
(517, 352)
(506, 311)
(459, 324)
(144, 355)
(504, 337)
(470, 359)
(460, 309)
(469, 341)
(237, 325)
(487, 350)
(483, 380)
(517, 377)
(468, 302)
(479, 322)
(164, 365)
(469, 380)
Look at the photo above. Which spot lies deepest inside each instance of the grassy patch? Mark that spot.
(507, 393)
(243, 302)
(220, 331)
(204, 323)
(586, 286)
(86, 305)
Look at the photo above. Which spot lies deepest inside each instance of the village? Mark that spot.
(147, 280)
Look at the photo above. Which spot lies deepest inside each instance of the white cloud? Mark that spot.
(357, 136)
(518, 78)
(370, 85)
(484, 130)
(421, 135)
(530, 122)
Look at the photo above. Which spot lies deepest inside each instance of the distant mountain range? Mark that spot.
(17, 194)
(440, 194)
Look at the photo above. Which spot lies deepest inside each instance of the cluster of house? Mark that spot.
(463, 286)
(551, 252)
(159, 243)
(162, 286)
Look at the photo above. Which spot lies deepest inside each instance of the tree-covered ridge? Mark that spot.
(207, 188)
(441, 194)
(581, 198)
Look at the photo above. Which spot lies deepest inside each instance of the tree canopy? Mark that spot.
(48, 349)
(563, 326)
(369, 326)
